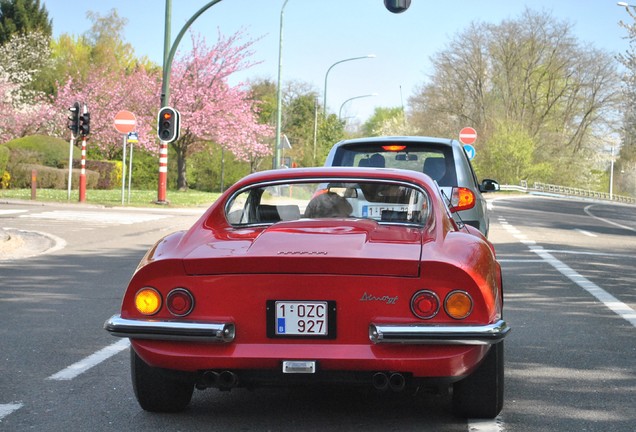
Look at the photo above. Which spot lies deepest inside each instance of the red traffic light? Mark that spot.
(168, 124)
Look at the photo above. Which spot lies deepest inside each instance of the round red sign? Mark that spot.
(125, 122)
(467, 135)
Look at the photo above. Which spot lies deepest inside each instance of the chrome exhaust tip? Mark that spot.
(380, 381)
(227, 380)
(397, 382)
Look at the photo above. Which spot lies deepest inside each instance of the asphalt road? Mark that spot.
(569, 296)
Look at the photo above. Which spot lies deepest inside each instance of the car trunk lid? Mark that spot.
(352, 247)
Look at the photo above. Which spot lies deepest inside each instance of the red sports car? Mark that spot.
(319, 275)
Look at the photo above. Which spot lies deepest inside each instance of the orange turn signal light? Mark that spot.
(148, 301)
(458, 304)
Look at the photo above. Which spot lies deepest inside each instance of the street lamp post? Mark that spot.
(324, 101)
(279, 91)
(611, 180)
(350, 99)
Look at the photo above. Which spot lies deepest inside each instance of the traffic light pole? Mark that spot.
(168, 56)
(70, 166)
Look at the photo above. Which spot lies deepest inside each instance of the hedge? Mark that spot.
(41, 150)
(49, 178)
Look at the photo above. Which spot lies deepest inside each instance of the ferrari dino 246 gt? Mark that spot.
(345, 276)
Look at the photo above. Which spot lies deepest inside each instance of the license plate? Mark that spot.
(375, 211)
(301, 318)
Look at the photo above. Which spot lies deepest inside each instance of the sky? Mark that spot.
(318, 33)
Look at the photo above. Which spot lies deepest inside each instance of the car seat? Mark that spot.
(377, 161)
(435, 167)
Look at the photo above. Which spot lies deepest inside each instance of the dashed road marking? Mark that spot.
(479, 425)
(611, 302)
(6, 409)
(587, 233)
(91, 361)
(11, 212)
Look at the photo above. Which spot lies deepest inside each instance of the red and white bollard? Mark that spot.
(163, 172)
(82, 178)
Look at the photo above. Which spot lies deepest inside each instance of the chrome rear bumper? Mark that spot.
(170, 330)
(438, 334)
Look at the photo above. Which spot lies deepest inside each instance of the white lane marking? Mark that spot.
(528, 260)
(9, 212)
(92, 360)
(590, 253)
(611, 302)
(6, 409)
(589, 213)
(587, 233)
(479, 425)
(104, 217)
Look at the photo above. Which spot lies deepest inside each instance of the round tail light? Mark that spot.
(148, 301)
(425, 304)
(180, 302)
(458, 304)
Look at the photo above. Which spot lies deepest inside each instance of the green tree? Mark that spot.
(379, 117)
(20, 17)
(508, 154)
(310, 134)
(530, 72)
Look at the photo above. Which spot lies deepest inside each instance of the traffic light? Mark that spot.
(85, 122)
(168, 124)
(73, 118)
(397, 6)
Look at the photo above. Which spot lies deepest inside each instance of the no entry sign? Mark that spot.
(467, 135)
(125, 122)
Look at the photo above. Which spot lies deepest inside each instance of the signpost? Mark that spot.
(470, 151)
(133, 138)
(468, 136)
(125, 122)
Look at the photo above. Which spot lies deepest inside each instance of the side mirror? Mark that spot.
(489, 185)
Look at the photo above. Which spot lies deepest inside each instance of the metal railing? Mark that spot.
(568, 191)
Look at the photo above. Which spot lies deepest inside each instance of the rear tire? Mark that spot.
(155, 390)
(480, 395)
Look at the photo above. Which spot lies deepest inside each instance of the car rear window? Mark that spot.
(434, 160)
(385, 202)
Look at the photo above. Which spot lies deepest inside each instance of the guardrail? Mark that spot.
(568, 191)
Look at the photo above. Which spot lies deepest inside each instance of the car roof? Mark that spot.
(404, 139)
(316, 173)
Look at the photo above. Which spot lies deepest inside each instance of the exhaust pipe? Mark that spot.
(210, 378)
(397, 382)
(380, 381)
(227, 380)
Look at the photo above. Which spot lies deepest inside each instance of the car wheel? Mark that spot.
(480, 395)
(155, 390)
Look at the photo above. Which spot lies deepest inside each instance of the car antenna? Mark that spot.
(460, 223)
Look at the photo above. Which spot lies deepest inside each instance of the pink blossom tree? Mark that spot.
(211, 109)
(106, 93)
